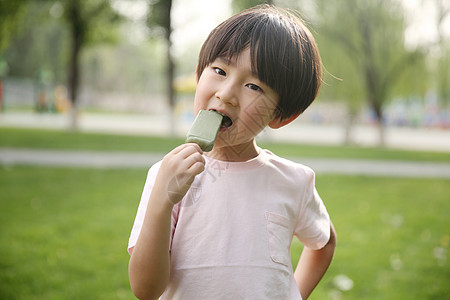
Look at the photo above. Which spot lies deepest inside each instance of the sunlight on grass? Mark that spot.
(55, 139)
(64, 234)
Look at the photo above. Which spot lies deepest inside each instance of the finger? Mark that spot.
(196, 146)
(178, 149)
(190, 160)
(196, 158)
(189, 150)
(197, 168)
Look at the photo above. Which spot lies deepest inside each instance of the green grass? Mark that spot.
(393, 237)
(58, 139)
(64, 234)
(48, 139)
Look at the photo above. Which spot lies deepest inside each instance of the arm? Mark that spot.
(149, 266)
(313, 264)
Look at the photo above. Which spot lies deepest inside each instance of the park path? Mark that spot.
(419, 139)
(426, 139)
(104, 160)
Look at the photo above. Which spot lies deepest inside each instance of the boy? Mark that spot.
(219, 225)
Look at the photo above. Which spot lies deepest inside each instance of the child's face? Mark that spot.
(232, 89)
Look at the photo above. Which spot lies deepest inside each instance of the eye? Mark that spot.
(219, 71)
(254, 87)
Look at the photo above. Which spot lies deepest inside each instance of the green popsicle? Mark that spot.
(204, 129)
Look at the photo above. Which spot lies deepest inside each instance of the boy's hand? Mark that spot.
(149, 266)
(178, 170)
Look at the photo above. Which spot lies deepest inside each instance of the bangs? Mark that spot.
(282, 51)
(229, 39)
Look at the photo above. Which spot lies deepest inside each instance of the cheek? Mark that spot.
(201, 98)
(258, 114)
(197, 105)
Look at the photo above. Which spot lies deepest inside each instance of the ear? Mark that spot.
(196, 74)
(277, 123)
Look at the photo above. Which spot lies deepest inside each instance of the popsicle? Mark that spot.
(204, 129)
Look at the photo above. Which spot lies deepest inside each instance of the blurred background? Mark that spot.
(386, 62)
(92, 92)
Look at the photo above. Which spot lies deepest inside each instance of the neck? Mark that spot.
(235, 153)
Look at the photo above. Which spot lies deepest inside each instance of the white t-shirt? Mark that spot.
(231, 233)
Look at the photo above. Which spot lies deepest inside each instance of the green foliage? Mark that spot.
(45, 42)
(42, 47)
(129, 68)
(11, 16)
(441, 61)
(159, 22)
(84, 18)
(158, 19)
(95, 20)
(362, 43)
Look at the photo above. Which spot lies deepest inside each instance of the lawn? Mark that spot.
(64, 231)
(57, 139)
(64, 234)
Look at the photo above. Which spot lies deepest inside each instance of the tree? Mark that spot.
(443, 44)
(371, 34)
(11, 15)
(159, 22)
(29, 51)
(89, 23)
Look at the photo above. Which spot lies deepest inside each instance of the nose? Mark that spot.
(227, 93)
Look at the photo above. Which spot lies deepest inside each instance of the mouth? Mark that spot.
(226, 120)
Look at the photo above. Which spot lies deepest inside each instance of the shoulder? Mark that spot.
(154, 168)
(287, 167)
(152, 173)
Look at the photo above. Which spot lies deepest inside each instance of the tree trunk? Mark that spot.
(349, 122)
(372, 77)
(379, 122)
(74, 77)
(170, 70)
(74, 70)
(170, 90)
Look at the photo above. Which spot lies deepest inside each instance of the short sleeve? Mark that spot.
(139, 220)
(142, 208)
(313, 224)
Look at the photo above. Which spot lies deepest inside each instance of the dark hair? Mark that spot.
(283, 52)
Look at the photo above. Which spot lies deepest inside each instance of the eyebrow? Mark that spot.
(225, 60)
(230, 61)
